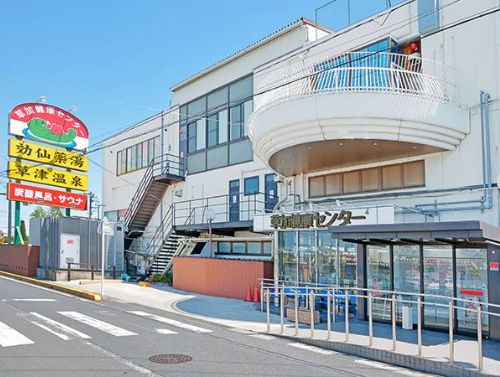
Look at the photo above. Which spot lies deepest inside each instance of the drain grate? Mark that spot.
(170, 358)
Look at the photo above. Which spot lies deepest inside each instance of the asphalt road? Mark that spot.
(46, 333)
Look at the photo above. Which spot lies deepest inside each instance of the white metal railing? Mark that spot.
(281, 292)
(357, 72)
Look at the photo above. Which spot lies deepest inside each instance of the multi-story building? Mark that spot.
(367, 156)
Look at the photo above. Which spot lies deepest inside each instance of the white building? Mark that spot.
(389, 126)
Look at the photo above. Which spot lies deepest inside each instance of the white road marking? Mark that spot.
(165, 331)
(4, 300)
(312, 348)
(34, 299)
(10, 337)
(262, 336)
(62, 336)
(61, 326)
(379, 365)
(172, 322)
(98, 324)
(131, 365)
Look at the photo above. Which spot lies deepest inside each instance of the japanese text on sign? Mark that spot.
(46, 155)
(313, 220)
(44, 196)
(48, 176)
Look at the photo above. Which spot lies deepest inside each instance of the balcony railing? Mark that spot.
(357, 72)
(223, 208)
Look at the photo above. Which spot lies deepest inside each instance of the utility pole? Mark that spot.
(91, 197)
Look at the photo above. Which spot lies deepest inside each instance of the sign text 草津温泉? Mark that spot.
(46, 155)
(46, 175)
(44, 196)
(49, 124)
(314, 220)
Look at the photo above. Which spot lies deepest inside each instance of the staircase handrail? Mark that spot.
(181, 248)
(162, 232)
(158, 165)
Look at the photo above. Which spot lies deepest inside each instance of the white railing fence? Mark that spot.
(356, 72)
(283, 293)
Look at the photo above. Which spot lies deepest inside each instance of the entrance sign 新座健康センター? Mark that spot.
(47, 176)
(49, 124)
(46, 155)
(47, 197)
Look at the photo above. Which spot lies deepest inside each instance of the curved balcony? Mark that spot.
(355, 108)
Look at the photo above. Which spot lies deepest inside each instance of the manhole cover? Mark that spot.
(170, 358)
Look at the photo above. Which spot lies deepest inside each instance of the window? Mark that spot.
(251, 185)
(213, 130)
(137, 156)
(192, 137)
(237, 122)
(217, 118)
(254, 248)
(389, 177)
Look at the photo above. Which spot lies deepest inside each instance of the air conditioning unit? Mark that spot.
(178, 193)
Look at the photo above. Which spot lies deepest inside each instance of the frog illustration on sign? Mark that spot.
(51, 132)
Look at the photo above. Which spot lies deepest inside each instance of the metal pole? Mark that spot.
(262, 295)
(311, 307)
(103, 251)
(268, 315)
(9, 224)
(282, 311)
(480, 337)
(91, 272)
(370, 319)
(334, 303)
(69, 271)
(393, 315)
(328, 316)
(346, 312)
(210, 236)
(296, 314)
(419, 325)
(450, 329)
(17, 223)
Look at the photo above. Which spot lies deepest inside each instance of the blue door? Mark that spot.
(271, 191)
(234, 200)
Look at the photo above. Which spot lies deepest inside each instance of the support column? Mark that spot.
(17, 223)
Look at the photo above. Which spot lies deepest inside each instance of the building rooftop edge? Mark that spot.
(275, 34)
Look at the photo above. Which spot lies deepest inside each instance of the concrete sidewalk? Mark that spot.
(244, 316)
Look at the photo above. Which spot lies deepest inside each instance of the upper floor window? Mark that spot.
(251, 185)
(137, 156)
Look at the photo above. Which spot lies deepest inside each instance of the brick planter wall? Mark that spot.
(19, 259)
(219, 277)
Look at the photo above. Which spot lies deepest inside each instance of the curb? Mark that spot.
(406, 361)
(54, 286)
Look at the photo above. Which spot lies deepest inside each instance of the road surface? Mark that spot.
(44, 333)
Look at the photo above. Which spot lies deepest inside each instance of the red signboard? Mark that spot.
(494, 266)
(471, 292)
(44, 196)
(50, 124)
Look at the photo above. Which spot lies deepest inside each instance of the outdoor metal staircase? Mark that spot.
(164, 259)
(162, 171)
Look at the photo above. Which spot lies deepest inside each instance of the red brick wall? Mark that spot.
(219, 277)
(19, 259)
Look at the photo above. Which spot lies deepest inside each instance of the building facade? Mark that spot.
(364, 157)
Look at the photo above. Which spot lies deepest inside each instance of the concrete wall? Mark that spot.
(219, 277)
(19, 259)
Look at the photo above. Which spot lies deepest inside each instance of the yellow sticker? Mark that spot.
(47, 155)
(47, 176)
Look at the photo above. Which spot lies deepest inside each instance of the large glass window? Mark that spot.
(213, 130)
(236, 122)
(200, 134)
(307, 256)
(192, 129)
(287, 252)
(438, 280)
(327, 258)
(379, 277)
(407, 269)
(472, 285)
(137, 156)
(347, 264)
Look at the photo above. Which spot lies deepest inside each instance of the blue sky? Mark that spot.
(116, 59)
